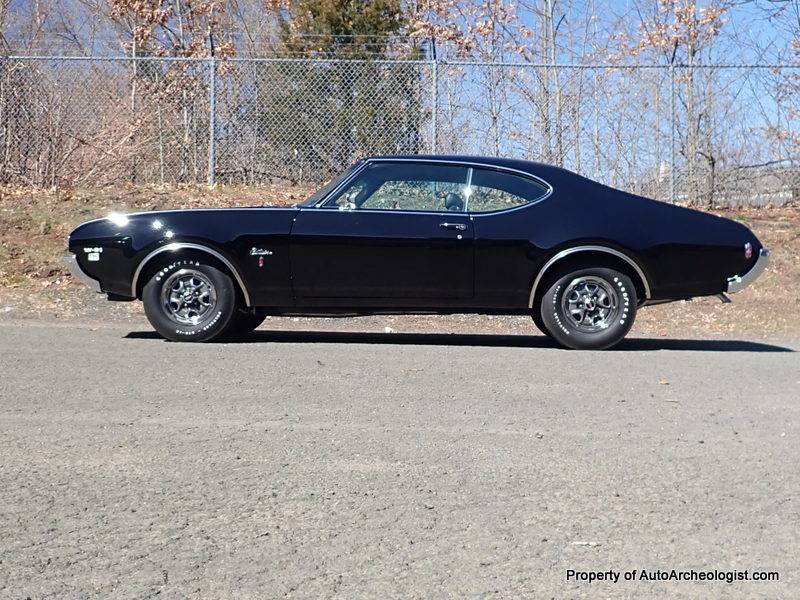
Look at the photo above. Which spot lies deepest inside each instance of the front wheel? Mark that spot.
(589, 309)
(189, 301)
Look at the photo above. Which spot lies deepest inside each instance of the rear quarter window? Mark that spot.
(491, 191)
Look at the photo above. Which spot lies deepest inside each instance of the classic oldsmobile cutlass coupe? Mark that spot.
(421, 234)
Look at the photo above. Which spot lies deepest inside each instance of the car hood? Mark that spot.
(213, 223)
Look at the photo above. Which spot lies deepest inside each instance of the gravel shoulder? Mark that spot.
(323, 464)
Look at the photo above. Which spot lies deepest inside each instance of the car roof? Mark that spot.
(527, 166)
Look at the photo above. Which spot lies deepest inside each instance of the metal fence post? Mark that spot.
(672, 130)
(434, 104)
(134, 77)
(212, 121)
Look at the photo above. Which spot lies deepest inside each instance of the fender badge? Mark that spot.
(260, 252)
(93, 254)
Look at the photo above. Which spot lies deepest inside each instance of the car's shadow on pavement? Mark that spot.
(482, 339)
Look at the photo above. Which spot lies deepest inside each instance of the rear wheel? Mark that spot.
(189, 300)
(589, 309)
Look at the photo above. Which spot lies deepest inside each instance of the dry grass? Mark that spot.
(34, 225)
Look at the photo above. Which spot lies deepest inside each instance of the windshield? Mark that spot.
(326, 189)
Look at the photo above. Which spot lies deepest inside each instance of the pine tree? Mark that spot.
(317, 117)
(340, 27)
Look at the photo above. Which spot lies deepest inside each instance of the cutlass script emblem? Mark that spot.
(260, 252)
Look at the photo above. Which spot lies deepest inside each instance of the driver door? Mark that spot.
(396, 235)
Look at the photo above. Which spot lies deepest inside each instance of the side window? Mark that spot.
(346, 200)
(496, 190)
(405, 186)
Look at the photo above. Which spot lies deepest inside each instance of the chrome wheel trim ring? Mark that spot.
(590, 304)
(188, 297)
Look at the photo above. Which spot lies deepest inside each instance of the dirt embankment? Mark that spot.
(34, 225)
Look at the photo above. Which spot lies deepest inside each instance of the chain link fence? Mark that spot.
(709, 135)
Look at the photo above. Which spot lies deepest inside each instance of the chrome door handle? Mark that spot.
(458, 226)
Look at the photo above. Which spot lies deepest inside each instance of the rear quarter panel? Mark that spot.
(683, 252)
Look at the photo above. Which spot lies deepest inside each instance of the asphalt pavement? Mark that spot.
(308, 465)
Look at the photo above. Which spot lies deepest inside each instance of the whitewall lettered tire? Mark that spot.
(589, 308)
(189, 300)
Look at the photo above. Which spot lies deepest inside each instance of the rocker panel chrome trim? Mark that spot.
(187, 246)
(576, 249)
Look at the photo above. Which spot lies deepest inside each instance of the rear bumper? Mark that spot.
(79, 274)
(738, 282)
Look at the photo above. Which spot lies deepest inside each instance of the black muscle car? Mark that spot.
(421, 234)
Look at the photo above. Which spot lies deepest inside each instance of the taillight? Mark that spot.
(748, 250)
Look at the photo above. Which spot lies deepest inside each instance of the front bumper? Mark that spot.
(80, 275)
(738, 282)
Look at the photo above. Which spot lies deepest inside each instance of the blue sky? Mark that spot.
(747, 23)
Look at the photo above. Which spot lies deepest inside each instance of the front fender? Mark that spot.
(123, 245)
